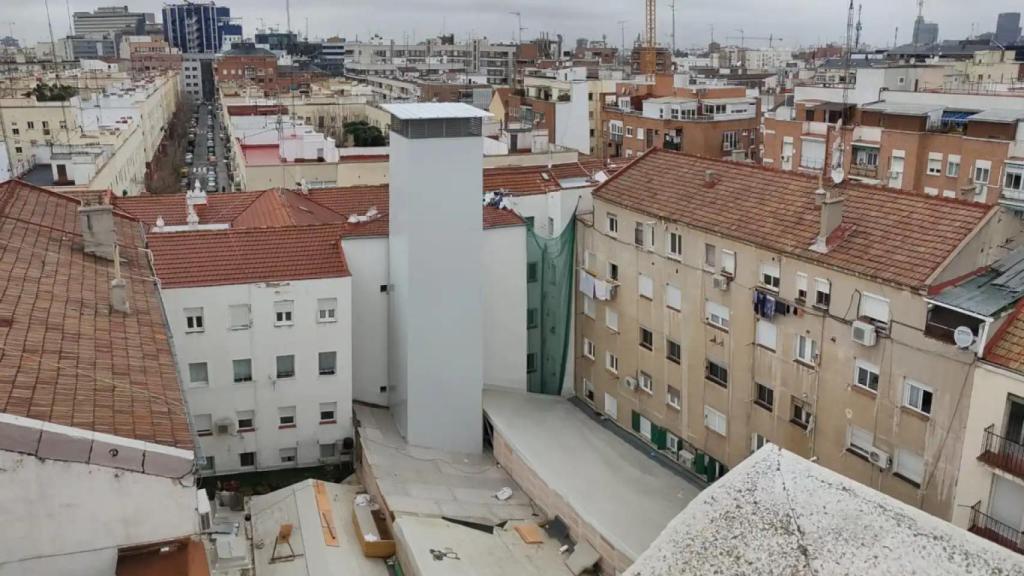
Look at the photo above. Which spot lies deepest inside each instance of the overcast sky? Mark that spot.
(797, 22)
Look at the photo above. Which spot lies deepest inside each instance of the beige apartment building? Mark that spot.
(965, 152)
(722, 306)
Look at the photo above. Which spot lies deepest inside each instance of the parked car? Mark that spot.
(188, 158)
(212, 159)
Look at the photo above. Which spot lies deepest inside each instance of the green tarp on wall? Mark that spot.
(549, 295)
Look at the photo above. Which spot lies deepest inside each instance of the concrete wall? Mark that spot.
(437, 299)
(71, 517)
(218, 345)
(368, 260)
(572, 121)
(504, 311)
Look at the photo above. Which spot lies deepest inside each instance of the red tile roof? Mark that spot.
(895, 237)
(219, 207)
(1006, 348)
(247, 255)
(65, 356)
(281, 208)
(530, 180)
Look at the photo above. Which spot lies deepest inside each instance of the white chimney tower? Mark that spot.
(435, 351)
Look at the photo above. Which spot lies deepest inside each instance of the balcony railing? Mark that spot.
(1002, 453)
(993, 530)
(864, 171)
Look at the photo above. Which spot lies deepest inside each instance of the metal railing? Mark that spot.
(1002, 453)
(995, 531)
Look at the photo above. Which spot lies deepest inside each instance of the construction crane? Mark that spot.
(743, 38)
(649, 41)
(672, 5)
(519, 18)
(856, 41)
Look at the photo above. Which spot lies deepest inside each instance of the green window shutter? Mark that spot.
(636, 421)
(712, 470)
(659, 437)
(698, 463)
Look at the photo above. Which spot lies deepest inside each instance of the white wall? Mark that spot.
(572, 119)
(218, 345)
(560, 206)
(504, 314)
(368, 261)
(436, 363)
(69, 518)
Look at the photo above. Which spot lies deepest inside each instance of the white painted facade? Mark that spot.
(367, 259)
(553, 211)
(221, 401)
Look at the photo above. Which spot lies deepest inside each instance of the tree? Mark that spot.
(44, 92)
(364, 135)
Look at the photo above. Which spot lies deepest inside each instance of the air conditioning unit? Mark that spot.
(721, 282)
(864, 333)
(879, 458)
(225, 427)
(630, 382)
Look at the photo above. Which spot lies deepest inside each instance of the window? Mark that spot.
(646, 338)
(194, 320)
(588, 348)
(709, 255)
(246, 419)
(327, 309)
(673, 297)
(531, 362)
(801, 286)
(283, 312)
(935, 163)
(729, 141)
(716, 315)
(640, 235)
(611, 362)
(715, 420)
(757, 442)
(675, 245)
(673, 351)
(770, 275)
(909, 466)
(806, 349)
(588, 390)
(242, 370)
(31, 125)
(1014, 179)
(247, 459)
(611, 406)
(589, 310)
(203, 424)
(238, 317)
(629, 131)
(286, 417)
(613, 224)
(645, 286)
(812, 153)
(822, 293)
(646, 382)
(197, 374)
(874, 307)
(531, 272)
(728, 262)
(588, 260)
(328, 363)
(673, 398)
(800, 413)
(613, 271)
(717, 373)
(765, 397)
(531, 313)
(766, 334)
(952, 166)
(865, 375)
(917, 396)
(286, 366)
(672, 443)
(328, 450)
(611, 319)
(18, 150)
(639, 133)
(328, 412)
(288, 455)
(859, 441)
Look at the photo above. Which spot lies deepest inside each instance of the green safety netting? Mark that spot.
(549, 299)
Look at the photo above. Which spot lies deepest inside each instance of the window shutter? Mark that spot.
(636, 421)
(874, 307)
(659, 437)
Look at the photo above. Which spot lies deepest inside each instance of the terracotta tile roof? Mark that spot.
(65, 356)
(894, 237)
(219, 207)
(282, 208)
(247, 255)
(1006, 348)
(530, 180)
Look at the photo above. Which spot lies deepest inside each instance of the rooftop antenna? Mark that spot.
(672, 5)
(622, 31)
(895, 37)
(838, 173)
(71, 22)
(856, 42)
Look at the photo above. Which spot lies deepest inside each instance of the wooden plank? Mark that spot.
(323, 505)
(530, 533)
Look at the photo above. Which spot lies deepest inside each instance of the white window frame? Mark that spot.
(286, 416)
(588, 390)
(234, 372)
(612, 224)
(822, 286)
(327, 310)
(645, 426)
(1011, 170)
(934, 167)
(716, 421)
(909, 387)
(757, 441)
(673, 298)
(589, 307)
(645, 286)
(239, 317)
(288, 454)
(611, 406)
(801, 286)
(284, 313)
(646, 382)
(716, 315)
(674, 245)
(863, 366)
(875, 307)
(677, 403)
(766, 335)
(203, 424)
(588, 348)
(859, 440)
(771, 276)
(953, 166)
(728, 263)
(611, 362)
(326, 407)
(710, 255)
(806, 349)
(909, 465)
(249, 415)
(205, 381)
(194, 320)
(611, 319)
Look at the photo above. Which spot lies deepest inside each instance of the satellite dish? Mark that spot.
(964, 337)
(838, 174)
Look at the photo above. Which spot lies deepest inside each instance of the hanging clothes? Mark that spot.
(769, 308)
(587, 283)
(602, 290)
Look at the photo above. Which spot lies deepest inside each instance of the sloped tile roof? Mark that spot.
(219, 207)
(247, 255)
(281, 208)
(1007, 346)
(892, 236)
(65, 356)
(530, 180)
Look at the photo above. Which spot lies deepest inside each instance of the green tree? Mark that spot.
(364, 135)
(44, 92)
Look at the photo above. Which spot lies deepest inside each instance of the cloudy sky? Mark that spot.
(797, 22)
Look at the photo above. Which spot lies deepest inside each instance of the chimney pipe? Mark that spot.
(709, 177)
(831, 204)
(98, 232)
(118, 287)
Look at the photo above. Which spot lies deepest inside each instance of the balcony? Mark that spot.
(995, 531)
(864, 170)
(1002, 453)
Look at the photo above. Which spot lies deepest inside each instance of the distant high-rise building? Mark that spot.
(9, 42)
(925, 33)
(110, 21)
(1008, 28)
(198, 28)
